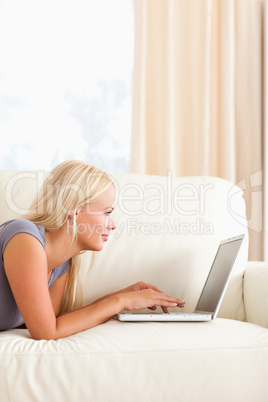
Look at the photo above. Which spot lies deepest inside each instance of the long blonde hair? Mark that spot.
(70, 185)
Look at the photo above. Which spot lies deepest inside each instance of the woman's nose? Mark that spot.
(111, 225)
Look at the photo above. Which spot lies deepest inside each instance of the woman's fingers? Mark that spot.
(149, 298)
(142, 286)
(174, 303)
(180, 303)
(153, 308)
(173, 300)
(165, 310)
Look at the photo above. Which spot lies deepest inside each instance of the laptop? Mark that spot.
(213, 291)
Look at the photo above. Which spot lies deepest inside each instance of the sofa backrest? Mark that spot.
(168, 231)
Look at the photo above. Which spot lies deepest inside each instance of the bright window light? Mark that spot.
(65, 82)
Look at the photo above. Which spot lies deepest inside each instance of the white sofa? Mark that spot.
(168, 232)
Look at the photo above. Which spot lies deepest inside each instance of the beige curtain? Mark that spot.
(197, 94)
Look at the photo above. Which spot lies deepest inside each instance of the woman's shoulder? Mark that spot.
(19, 225)
(19, 222)
(16, 226)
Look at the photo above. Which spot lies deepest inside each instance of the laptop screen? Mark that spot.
(219, 275)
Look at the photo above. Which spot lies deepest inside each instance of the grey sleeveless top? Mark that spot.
(10, 316)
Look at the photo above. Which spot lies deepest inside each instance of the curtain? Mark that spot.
(265, 126)
(197, 95)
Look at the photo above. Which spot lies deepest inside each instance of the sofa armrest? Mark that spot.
(256, 293)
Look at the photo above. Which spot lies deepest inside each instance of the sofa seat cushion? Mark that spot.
(139, 361)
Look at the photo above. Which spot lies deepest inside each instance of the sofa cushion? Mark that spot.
(255, 293)
(223, 360)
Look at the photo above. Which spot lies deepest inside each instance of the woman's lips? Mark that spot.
(105, 237)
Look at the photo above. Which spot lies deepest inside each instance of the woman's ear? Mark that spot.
(73, 212)
(78, 210)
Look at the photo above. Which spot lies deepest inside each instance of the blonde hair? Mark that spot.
(70, 185)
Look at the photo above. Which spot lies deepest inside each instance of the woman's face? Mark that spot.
(94, 221)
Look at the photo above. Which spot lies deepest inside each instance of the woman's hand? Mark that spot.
(139, 286)
(144, 295)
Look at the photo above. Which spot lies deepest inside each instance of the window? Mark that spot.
(65, 82)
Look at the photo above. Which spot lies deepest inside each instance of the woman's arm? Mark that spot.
(56, 291)
(26, 269)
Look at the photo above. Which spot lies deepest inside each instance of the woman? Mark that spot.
(40, 257)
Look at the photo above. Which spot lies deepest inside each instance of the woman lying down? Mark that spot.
(40, 257)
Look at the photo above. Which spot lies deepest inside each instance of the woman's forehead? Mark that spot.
(105, 200)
